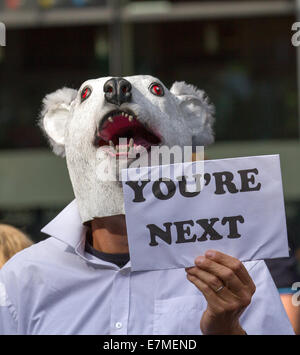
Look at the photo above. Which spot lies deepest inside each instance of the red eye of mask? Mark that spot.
(157, 89)
(85, 93)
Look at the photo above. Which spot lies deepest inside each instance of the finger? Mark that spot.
(220, 301)
(232, 263)
(213, 282)
(213, 300)
(225, 274)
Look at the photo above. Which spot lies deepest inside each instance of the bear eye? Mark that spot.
(157, 89)
(85, 93)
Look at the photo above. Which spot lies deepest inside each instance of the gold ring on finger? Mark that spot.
(219, 289)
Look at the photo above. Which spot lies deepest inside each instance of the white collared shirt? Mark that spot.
(55, 287)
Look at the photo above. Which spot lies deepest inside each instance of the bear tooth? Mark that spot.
(111, 144)
(126, 115)
(130, 118)
(131, 142)
(110, 119)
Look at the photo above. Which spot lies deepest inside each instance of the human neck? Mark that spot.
(109, 234)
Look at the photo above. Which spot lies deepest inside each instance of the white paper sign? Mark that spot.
(239, 211)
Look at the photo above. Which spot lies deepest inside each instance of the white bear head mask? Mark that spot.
(82, 124)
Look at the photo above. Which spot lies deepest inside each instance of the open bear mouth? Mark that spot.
(118, 125)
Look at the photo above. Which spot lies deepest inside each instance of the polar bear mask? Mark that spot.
(80, 125)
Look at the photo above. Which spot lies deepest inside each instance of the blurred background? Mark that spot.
(239, 52)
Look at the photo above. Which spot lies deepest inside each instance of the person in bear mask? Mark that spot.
(79, 281)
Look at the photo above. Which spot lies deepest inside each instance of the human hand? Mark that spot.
(228, 289)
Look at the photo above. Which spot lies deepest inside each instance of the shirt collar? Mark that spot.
(68, 228)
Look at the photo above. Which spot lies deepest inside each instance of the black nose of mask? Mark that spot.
(117, 91)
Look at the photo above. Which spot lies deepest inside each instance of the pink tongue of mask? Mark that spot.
(122, 124)
(109, 129)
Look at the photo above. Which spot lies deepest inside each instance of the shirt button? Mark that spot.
(118, 325)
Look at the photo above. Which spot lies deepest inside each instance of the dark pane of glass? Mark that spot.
(246, 66)
(38, 61)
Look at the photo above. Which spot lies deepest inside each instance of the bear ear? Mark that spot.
(54, 115)
(197, 110)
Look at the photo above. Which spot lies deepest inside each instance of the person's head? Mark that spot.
(12, 240)
(109, 119)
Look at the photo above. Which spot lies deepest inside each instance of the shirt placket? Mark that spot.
(120, 302)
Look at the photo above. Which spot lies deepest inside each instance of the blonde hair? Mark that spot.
(12, 240)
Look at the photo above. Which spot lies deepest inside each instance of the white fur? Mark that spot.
(198, 111)
(55, 114)
(181, 116)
